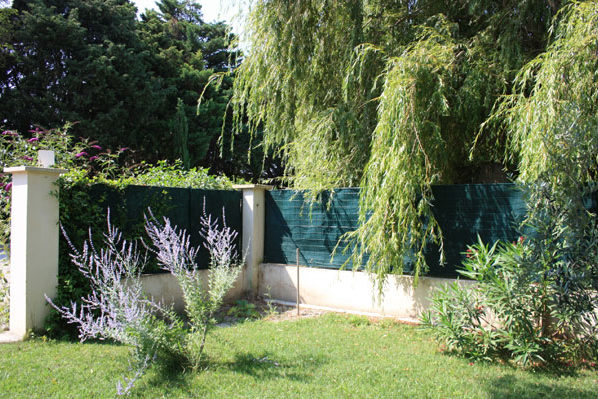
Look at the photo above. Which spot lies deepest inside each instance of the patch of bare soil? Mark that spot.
(259, 308)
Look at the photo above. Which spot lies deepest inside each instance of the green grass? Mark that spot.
(328, 357)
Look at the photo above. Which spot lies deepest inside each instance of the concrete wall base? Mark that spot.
(349, 291)
(165, 288)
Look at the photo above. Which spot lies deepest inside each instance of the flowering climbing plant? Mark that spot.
(79, 155)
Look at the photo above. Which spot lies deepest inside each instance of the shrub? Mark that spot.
(85, 158)
(174, 175)
(175, 253)
(533, 302)
(117, 309)
(88, 163)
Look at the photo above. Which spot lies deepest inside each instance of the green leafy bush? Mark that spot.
(243, 309)
(536, 301)
(174, 175)
(84, 158)
(532, 303)
(82, 206)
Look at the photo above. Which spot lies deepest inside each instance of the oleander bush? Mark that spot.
(534, 303)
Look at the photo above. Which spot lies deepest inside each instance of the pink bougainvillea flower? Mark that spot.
(81, 154)
(8, 186)
(32, 140)
(27, 158)
(93, 158)
(97, 147)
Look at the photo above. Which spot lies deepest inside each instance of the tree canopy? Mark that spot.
(125, 82)
(395, 96)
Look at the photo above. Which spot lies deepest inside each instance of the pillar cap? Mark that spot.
(34, 169)
(252, 187)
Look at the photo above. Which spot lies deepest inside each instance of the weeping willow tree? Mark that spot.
(552, 118)
(292, 85)
(541, 292)
(413, 102)
(388, 95)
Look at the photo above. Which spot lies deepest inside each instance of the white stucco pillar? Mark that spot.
(33, 245)
(253, 233)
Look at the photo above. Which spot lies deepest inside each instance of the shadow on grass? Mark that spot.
(266, 366)
(262, 366)
(511, 387)
(170, 380)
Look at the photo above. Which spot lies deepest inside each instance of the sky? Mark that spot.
(213, 10)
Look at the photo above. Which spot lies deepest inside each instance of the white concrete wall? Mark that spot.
(164, 287)
(348, 290)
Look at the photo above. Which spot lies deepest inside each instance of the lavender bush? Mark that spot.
(117, 308)
(175, 254)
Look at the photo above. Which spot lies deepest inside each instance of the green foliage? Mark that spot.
(408, 151)
(386, 95)
(81, 61)
(86, 160)
(116, 307)
(164, 174)
(83, 209)
(527, 306)
(293, 91)
(553, 120)
(82, 205)
(4, 295)
(187, 52)
(180, 130)
(93, 62)
(542, 293)
(243, 309)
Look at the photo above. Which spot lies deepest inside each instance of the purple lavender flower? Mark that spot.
(10, 133)
(81, 154)
(27, 158)
(91, 159)
(8, 186)
(117, 308)
(33, 140)
(123, 149)
(97, 147)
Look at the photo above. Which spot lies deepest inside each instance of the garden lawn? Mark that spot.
(331, 356)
